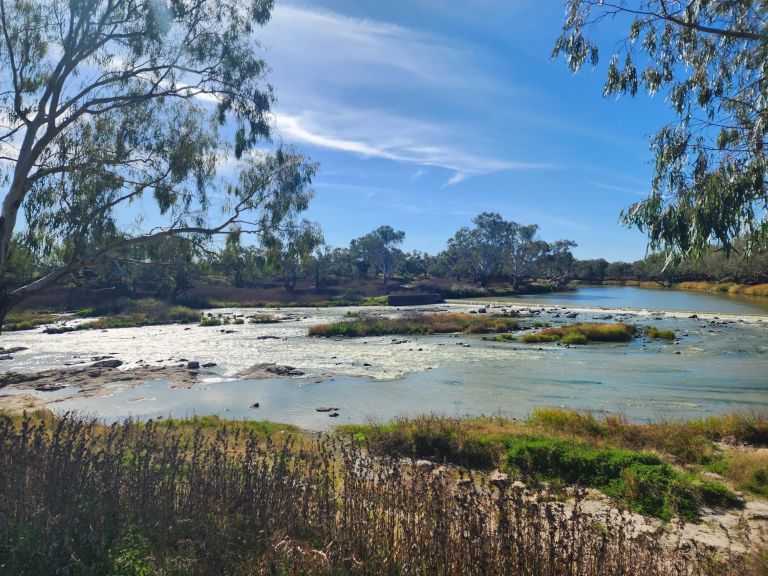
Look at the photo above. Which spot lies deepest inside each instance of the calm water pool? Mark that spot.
(647, 298)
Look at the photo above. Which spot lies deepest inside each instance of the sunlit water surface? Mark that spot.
(720, 367)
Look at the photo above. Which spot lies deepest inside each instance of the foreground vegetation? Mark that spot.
(631, 462)
(214, 497)
(442, 323)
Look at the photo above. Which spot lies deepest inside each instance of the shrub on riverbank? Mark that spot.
(440, 323)
(217, 497)
(583, 333)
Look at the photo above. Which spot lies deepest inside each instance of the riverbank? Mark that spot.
(171, 496)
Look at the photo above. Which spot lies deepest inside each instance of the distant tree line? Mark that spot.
(492, 251)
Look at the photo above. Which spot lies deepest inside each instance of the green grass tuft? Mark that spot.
(655, 333)
(583, 333)
(441, 323)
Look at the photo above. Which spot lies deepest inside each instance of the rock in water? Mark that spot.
(114, 363)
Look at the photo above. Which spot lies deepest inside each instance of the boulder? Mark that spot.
(269, 370)
(56, 330)
(13, 350)
(113, 363)
(193, 365)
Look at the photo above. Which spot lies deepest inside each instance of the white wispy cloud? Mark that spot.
(389, 137)
(365, 87)
(618, 188)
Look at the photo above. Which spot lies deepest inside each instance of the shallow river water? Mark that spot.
(719, 364)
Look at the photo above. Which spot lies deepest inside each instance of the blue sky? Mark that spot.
(424, 113)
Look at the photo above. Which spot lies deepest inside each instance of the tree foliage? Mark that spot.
(710, 57)
(501, 249)
(378, 249)
(107, 104)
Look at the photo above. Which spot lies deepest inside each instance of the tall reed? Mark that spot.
(80, 498)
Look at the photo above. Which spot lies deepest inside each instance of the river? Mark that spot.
(719, 363)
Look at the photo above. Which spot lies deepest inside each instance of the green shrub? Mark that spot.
(639, 480)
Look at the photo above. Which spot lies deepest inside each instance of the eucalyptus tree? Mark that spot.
(291, 253)
(127, 121)
(711, 59)
(378, 249)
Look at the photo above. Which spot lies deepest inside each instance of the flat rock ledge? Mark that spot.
(91, 379)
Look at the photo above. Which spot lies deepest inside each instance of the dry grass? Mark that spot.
(747, 470)
(729, 287)
(441, 323)
(756, 290)
(210, 497)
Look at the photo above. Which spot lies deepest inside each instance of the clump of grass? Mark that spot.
(656, 333)
(374, 301)
(441, 323)
(501, 338)
(18, 320)
(210, 321)
(264, 319)
(749, 427)
(144, 312)
(583, 333)
(749, 471)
